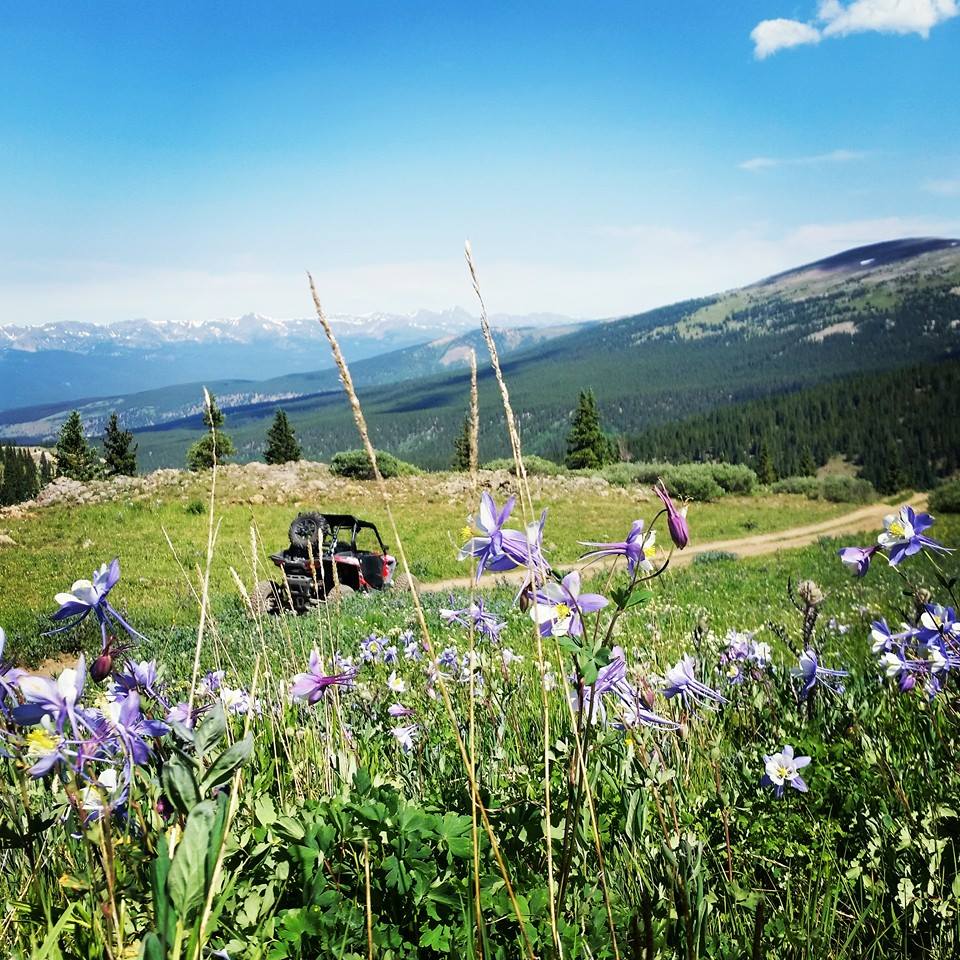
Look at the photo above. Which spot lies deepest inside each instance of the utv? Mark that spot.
(330, 554)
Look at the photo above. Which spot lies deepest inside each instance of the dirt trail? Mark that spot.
(869, 518)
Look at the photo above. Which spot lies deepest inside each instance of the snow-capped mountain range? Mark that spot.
(394, 329)
(62, 362)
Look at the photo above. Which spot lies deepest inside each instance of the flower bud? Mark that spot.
(101, 667)
(810, 593)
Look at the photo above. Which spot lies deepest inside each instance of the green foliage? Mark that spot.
(946, 497)
(119, 450)
(214, 446)
(534, 465)
(75, 459)
(282, 445)
(835, 489)
(46, 470)
(766, 473)
(19, 479)
(461, 447)
(356, 465)
(587, 445)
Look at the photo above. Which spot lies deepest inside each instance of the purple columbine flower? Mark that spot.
(682, 683)
(937, 623)
(858, 558)
(634, 548)
(783, 768)
(813, 674)
(56, 699)
(406, 736)
(676, 519)
(399, 710)
(903, 535)
(525, 547)
(371, 649)
(486, 543)
(132, 729)
(558, 608)
(9, 675)
(475, 616)
(90, 596)
(312, 685)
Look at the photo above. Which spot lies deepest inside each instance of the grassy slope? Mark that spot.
(59, 544)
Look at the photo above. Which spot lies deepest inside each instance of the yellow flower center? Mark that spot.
(896, 528)
(563, 611)
(782, 772)
(40, 742)
(466, 533)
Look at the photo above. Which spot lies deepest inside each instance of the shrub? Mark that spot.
(356, 465)
(713, 556)
(692, 481)
(946, 497)
(536, 466)
(835, 489)
(804, 486)
(734, 477)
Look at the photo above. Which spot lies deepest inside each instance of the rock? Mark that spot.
(7, 541)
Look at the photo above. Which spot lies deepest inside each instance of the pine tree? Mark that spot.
(461, 447)
(46, 470)
(808, 467)
(765, 470)
(6, 483)
(282, 445)
(120, 452)
(214, 444)
(29, 478)
(588, 446)
(75, 459)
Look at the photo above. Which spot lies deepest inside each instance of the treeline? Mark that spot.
(21, 476)
(902, 428)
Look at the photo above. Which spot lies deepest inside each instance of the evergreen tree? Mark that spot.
(75, 459)
(461, 447)
(808, 467)
(893, 478)
(587, 445)
(282, 446)
(46, 470)
(120, 452)
(764, 468)
(30, 479)
(8, 479)
(20, 481)
(214, 444)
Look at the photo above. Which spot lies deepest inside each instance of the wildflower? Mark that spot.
(412, 647)
(676, 519)
(104, 787)
(508, 658)
(635, 548)
(682, 682)
(525, 547)
(211, 682)
(858, 558)
(812, 674)
(45, 747)
(8, 675)
(132, 728)
(477, 617)
(937, 622)
(180, 713)
(903, 535)
(396, 684)
(238, 701)
(558, 608)
(549, 681)
(371, 649)
(312, 685)
(86, 597)
(406, 736)
(783, 768)
(140, 676)
(449, 659)
(56, 699)
(399, 710)
(486, 544)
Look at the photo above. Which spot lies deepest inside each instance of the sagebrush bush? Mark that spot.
(734, 477)
(536, 466)
(832, 489)
(946, 497)
(356, 465)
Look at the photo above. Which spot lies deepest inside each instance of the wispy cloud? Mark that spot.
(836, 19)
(947, 187)
(834, 156)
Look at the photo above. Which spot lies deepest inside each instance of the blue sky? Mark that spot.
(190, 160)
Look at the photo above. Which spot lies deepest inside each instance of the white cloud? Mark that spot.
(769, 36)
(834, 156)
(885, 16)
(837, 19)
(944, 188)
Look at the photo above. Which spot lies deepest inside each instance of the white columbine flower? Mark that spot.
(396, 684)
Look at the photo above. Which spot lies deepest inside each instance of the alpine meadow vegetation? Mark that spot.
(743, 758)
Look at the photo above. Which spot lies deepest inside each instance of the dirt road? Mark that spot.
(866, 519)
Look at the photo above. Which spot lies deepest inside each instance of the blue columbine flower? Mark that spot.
(681, 682)
(9, 675)
(812, 674)
(783, 768)
(858, 558)
(90, 596)
(903, 535)
(486, 543)
(57, 699)
(312, 685)
(558, 608)
(476, 616)
(371, 649)
(637, 548)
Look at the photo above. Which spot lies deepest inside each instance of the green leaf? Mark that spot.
(222, 768)
(51, 943)
(187, 879)
(179, 783)
(152, 948)
(210, 731)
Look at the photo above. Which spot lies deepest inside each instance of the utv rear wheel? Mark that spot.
(264, 600)
(307, 531)
(405, 581)
(340, 591)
